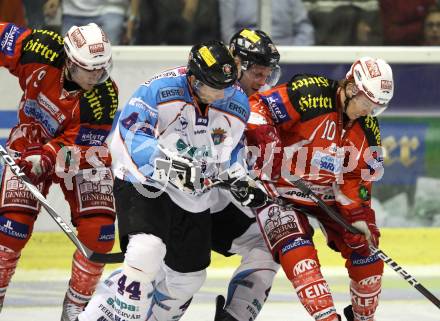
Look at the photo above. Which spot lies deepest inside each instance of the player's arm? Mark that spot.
(11, 39)
(263, 136)
(136, 128)
(353, 193)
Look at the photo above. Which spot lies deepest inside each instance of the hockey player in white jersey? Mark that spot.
(234, 228)
(179, 129)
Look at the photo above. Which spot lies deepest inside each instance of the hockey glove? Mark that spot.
(37, 163)
(364, 220)
(180, 172)
(248, 195)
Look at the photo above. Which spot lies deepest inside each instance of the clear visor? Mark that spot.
(374, 109)
(270, 75)
(208, 95)
(91, 77)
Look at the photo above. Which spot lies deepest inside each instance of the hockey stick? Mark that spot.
(92, 256)
(298, 182)
(338, 218)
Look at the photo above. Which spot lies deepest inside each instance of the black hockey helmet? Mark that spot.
(254, 47)
(213, 64)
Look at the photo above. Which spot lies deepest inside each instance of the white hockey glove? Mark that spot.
(178, 171)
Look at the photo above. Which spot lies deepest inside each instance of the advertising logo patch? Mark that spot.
(327, 162)
(276, 107)
(170, 93)
(238, 110)
(363, 193)
(32, 109)
(107, 233)
(373, 68)
(91, 136)
(14, 229)
(9, 39)
(51, 107)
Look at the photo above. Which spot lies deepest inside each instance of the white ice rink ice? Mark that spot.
(37, 296)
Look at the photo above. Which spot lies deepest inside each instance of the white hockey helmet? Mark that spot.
(374, 78)
(89, 48)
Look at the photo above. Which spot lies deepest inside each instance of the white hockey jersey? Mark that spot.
(162, 112)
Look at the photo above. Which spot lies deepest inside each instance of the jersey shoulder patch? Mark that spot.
(99, 105)
(45, 47)
(312, 95)
(237, 105)
(370, 126)
(9, 37)
(167, 89)
(275, 104)
(169, 93)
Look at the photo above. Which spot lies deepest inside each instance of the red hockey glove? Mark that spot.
(364, 220)
(38, 164)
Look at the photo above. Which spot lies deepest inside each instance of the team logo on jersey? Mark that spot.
(9, 38)
(91, 136)
(276, 107)
(218, 135)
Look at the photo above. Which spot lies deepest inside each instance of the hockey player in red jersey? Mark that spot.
(64, 116)
(326, 132)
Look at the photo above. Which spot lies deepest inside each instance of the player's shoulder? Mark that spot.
(371, 129)
(167, 86)
(312, 95)
(43, 47)
(99, 105)
(9, 37)
(237, 104)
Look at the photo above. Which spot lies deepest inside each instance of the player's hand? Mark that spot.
(179, 171)
(248, 195)
(187, 176)
(365, 223)
(37, 163)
